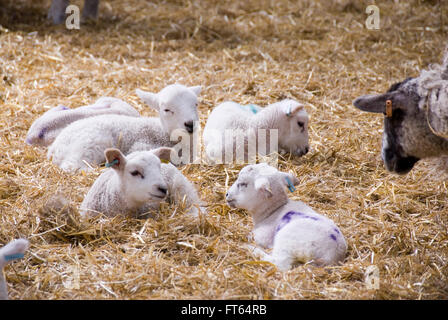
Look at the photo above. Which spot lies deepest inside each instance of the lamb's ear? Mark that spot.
(292, 108)
(151, 99)
(196, 90)
(289, 180)
(375, 103)
(115, 159)
(263, 185)
(164, 153)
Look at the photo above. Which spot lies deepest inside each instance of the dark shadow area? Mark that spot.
(31, 15)
(23, 15)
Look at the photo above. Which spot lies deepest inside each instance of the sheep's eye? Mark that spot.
(168, 110)
(242, 185)
(137, 173)
(301, 124)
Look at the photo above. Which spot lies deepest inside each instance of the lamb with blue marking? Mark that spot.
(47, 127)
(14, 250)
(294, 231)
(230, 122)
(81, 145)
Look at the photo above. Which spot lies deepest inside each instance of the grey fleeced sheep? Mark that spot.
(416, 118)
(294, 231)
(47, 127)
(137, 184)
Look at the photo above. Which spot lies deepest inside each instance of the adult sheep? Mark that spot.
(415, 118)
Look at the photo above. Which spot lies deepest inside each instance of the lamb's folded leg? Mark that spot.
(282, 262)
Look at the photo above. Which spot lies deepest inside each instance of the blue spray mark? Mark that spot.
(251, 107)
(42, 133)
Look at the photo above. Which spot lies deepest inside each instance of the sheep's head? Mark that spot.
(177, 106)
(407, 137)
(140, 174)
(257, 186)
(293, 127)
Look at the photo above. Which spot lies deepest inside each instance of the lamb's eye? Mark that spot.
(137, 173)
(242, 185)
(168, 110)
(301, 124)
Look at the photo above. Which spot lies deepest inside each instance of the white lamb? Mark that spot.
(84, 141)
(137, 184)
(46, 128)
(295, 232)
(12, 251)
(229, 120)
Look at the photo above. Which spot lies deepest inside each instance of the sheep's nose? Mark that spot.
(189, 125)
(162, 190)
(307, 149)
(227, 194)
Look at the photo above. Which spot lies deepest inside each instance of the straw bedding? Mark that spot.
(318, 52)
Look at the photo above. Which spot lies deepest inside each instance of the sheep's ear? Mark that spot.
(375, 103)
(196, 90)
(263, 185)
(289, 180)
(163, 153)
(151, 99)
(292, 109)
(115, 159)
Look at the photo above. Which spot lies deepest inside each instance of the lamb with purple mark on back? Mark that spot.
(295, 232)
(12, 251)
(47, 127)
(82, 143)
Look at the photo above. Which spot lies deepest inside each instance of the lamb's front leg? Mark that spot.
(90, 10)
(56, 13)
(282, 262)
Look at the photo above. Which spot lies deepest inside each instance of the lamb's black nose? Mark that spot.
(162, 190)
(227, 194)
(189, 125)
